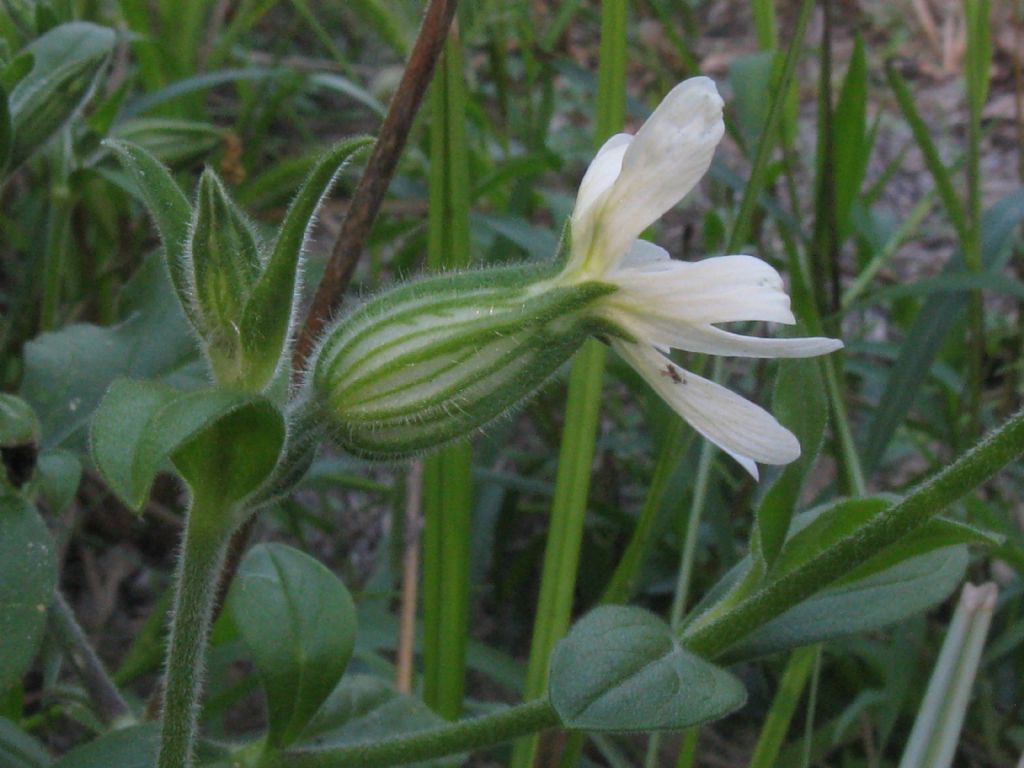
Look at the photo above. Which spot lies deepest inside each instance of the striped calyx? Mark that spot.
(430, 362)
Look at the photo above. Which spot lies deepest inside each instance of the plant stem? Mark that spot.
(969, 471)
(199, 567)
(977, 63)
(790, 690)
(110, 704)
(527, 718)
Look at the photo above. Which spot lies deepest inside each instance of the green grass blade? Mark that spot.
(447, 478)
(623, 581)
(759, 172)
(936, 733)
(575, 459)
(764, 23)
(935, 320)
(936, 167)
(780, 715)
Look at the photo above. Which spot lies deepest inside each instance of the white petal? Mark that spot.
(644, 255)
(723, 289)
(742, 429)
(597, 181)
(706, 339)
(666, 159)
(601, 173)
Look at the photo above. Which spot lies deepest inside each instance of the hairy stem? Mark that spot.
(524, 719)
(199, 567)
(969, 471)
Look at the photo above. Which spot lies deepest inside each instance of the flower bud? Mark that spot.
(224, 255)
(433, 361)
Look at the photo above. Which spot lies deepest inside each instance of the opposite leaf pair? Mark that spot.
(238, 294)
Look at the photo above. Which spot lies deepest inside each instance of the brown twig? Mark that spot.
(366, 200)
(410, 577)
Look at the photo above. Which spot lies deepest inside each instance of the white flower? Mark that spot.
(665, 304)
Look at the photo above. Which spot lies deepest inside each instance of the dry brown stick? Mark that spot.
(410, 577)
(375, 179)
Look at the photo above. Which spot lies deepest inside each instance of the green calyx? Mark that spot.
(224, 253)
(434, 361)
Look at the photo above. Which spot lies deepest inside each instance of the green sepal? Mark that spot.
(299, 623)
(269, 313)
(66, 64)
(224, 255)
(171, 212)
(224, 443)
(620, 668)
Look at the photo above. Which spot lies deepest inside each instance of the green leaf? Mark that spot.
(18, 749)
(236, 455)
(6, 132)
(883, 598)
(751, 79)
(621, 669)
(66, 63)
(800, 406)
(174, 142)
(922, 132)
(817, 530)
(888, 587)
(28, 576)
(68, 372)
(170, 209)
(363, 709)
(937, 533)
(224, 256)
(851, 138)
(18, 422)
(222, 442)
(15, 71)
(19, 442)
(134, 747)
(299, 622)
(268, 315)
(59, 473)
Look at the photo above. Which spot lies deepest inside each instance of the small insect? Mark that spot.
(672, 373)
